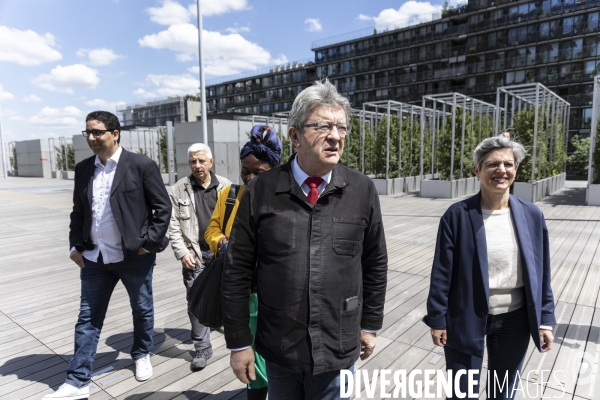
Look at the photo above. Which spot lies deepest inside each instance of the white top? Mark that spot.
(300, 176)
(104, 233)
(504, 262)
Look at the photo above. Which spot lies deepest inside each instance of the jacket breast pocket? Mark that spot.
(350, 330)
(185, 206)
(270, 328)
(348, 235)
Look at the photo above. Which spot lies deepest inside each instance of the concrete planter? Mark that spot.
(593, 195)
(55, 174)
(13, 173)
(388, 186)
(449, 189)
(67, 175)
(538, 190)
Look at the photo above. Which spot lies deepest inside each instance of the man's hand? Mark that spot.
(222, 241)
(439, 337)
(367, 344)
(142, 251)
(77, 258)
(188, 261)
(547, 339)
(242, 363)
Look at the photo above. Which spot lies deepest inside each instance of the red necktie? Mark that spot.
(313, 184)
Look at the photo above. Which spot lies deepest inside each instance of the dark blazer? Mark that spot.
(308, 261)
(138, 199)
(459, 291)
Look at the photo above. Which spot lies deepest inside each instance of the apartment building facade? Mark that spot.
(472, 49)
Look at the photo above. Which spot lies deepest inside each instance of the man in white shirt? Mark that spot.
(120, 217)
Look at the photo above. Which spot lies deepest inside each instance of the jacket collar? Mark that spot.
(474, 208)
(122, 167)
(287, 184)
(525, 246)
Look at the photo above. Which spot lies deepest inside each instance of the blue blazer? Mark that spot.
(459, 291)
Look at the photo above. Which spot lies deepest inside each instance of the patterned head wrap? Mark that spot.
(264, 145)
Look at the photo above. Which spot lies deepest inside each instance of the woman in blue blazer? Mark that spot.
(491, 276)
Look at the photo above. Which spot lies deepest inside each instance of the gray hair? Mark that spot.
(320, 94)
(196, 147)
(497, 142)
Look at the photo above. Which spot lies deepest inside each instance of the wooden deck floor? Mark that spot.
(39, 299)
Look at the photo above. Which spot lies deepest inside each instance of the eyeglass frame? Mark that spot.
(330, 129)
(91, 132)
(515, 166)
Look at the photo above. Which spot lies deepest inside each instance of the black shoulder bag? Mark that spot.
(204, 298)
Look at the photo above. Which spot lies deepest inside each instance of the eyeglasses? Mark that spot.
(95, 132)
(508, 165)
(325, 128)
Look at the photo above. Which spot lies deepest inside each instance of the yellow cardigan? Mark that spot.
(214, 232)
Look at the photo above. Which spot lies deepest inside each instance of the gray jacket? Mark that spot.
(184, 231)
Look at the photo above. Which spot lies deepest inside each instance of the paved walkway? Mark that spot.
(39, 302)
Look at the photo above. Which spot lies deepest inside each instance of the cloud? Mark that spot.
(99, 57)
(314, 25)
(17, 118)
(63, 79)
(100, 104)
(213, 7)
(69, 117)
(410, 13)
(173, 13)
(4, 95)
(223, 54)
(32, 98)
(27, 47)
(168, 85)
(237, 29)
(170, 13)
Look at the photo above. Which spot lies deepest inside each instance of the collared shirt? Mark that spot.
(300, 176)
(104, 233)
(205, 199)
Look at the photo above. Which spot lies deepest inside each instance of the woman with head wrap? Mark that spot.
(260, 154)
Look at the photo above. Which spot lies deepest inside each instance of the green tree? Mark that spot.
(164, 153)
(578, 160)
(596, 156)
(13, 158)
(65, 157)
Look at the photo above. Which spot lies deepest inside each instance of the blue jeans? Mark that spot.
(98, 281)
(507, 338)
(288, 385)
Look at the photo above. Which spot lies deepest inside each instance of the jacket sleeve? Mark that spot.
(548, 317)
(213, 232)
(174, 232)
(441, 277)
(237, 276)
(374, 262)
(77, 215)
(157, 200)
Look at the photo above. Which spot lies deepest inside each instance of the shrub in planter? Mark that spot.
(579, 159)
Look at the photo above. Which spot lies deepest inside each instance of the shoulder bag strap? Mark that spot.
(229, 204)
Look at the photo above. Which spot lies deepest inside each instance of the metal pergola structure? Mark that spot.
(593, 132)
(513, 99)
(447, 105)
(377, 110)
(414, 114)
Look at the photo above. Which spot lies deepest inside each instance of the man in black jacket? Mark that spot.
(121, 213)
(311, 232)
